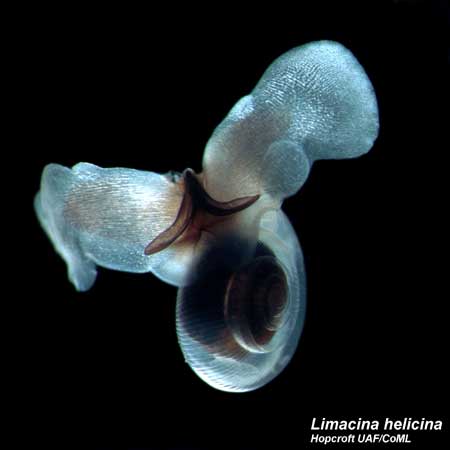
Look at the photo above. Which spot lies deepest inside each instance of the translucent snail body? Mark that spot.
(220, 235)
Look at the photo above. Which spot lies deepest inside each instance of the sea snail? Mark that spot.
(220, 236)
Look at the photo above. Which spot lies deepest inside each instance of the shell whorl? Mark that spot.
(239, 322)
(255, 300)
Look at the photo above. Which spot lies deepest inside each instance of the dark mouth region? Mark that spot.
(195, 201)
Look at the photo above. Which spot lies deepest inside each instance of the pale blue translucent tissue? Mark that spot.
(106, 217)
(314, 102)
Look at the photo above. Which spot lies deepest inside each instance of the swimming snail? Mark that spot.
(220, 235)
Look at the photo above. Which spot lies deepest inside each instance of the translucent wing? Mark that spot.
(106, 217)
(314, 102)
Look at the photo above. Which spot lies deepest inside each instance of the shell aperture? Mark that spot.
(220, 236)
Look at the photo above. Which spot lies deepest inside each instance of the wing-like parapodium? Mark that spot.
(313, 102)
(106, 217)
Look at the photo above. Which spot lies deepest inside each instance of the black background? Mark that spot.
(145, 90)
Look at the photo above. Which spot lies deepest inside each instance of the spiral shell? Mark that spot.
(220, 235)
(239, 322)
